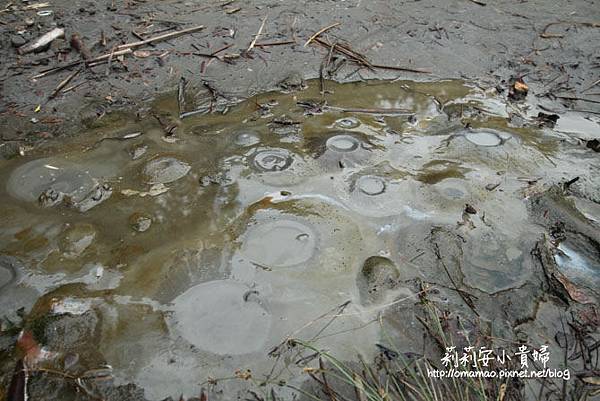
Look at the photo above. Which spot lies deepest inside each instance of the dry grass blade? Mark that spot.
(390, 111)
(345, 50)
(320, 31)
(283, 42)
(359, 388)
(591, 86)
(362, 60)
(397, 68)
(326, 387)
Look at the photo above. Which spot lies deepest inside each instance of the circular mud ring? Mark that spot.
(32, 179)
(280, 243)
(270, 160)
(347, 123)
(164, 170)
(484, 138)
(371, 185)
(219, 317)
(246, 138)
(342, 143)
(452, 188)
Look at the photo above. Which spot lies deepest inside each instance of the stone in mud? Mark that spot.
(98, 195)
(17, 40)
(140, 222)
(377, 276)
(76, 239)
(280, 243)
(216, 317)
(292, 82)
(137, 151)
(164, 170)
(593, 144)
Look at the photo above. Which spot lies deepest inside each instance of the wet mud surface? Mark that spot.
(160, 256)
(178, 220)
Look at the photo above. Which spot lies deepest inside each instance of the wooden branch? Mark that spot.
(63, 84)
(160, 38)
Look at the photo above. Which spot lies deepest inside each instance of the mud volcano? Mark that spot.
(225, 253)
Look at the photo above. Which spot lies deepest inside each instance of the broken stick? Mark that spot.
(63, 83)
(320, 31)
(253, 43)
(160, 38)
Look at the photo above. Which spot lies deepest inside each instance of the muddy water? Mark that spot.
(200, 250)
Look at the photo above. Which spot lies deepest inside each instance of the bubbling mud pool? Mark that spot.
(195, 253)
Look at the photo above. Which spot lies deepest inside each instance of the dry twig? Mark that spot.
(161, 38)
(262, 26)
(320, 31)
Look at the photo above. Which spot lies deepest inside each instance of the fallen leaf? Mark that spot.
(575, 293)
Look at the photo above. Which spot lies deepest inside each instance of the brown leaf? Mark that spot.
(575, 293)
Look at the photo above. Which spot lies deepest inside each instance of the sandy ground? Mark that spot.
(451, 39)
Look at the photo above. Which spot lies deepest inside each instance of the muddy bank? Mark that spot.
(551, 45)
